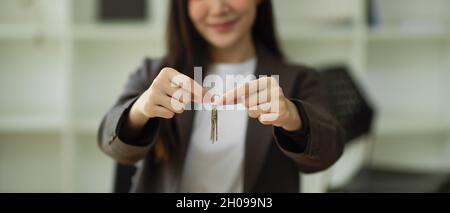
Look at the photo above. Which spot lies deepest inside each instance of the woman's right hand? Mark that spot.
(167, 96)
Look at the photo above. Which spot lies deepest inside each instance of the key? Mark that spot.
(214, 125)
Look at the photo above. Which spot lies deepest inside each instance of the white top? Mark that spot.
(218, 167)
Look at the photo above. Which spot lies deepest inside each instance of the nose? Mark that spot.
(218, 7)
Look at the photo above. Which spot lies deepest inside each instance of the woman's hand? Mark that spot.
(168, 94)
(264, 99)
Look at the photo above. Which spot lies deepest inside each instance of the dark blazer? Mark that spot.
(273, 157)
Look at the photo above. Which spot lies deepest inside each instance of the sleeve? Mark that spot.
(319, 143)
(295, 141)
(108, 137)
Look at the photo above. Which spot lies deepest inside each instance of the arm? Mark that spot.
(304, 127)
(128, 130)
(122, 147)
(319, 143)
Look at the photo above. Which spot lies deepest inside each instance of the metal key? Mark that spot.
(214, 125)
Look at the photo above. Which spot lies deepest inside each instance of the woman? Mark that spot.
(260, 149)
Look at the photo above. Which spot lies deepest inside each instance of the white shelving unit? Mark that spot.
(407, 76)
(54, 57)
(403, 63)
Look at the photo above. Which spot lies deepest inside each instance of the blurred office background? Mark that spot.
(54, 55)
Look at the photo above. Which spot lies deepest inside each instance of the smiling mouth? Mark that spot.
(223, 27)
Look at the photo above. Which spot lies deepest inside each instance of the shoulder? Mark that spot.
(148, 67)
(145, 72)
(151, 64)
(300, 70)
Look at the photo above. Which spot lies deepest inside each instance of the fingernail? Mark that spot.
(218, 100)
(207, 97)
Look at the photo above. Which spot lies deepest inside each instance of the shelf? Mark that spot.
(391, 33)
(35, 123)
(116, 32)
(309, 33)
(23, 124)
(29, 32)
(88, 125)
(411, 124)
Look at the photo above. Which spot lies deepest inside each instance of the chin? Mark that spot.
(221, 45)
(222, 42)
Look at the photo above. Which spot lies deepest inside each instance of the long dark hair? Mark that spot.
(186, 48)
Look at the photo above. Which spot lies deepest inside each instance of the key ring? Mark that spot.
(214, 99)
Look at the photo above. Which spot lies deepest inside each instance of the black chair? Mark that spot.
(348, 103)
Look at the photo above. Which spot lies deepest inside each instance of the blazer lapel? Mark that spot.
(183, 123)
(259, 137)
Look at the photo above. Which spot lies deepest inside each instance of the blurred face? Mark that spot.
(223, 23)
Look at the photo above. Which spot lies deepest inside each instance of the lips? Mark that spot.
(223, 27)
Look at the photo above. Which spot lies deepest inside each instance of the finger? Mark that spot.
(192, 87)
(255, 99)
(269, 118)
(232, 96)
(188, 84)
(182, 96)
(270, 100)
(170, 88)
(256, 111)
(163, 112)
(178, 93)
(208, 97)
(185, 96)
(171, 104)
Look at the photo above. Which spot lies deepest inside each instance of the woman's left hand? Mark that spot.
(265, 100)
